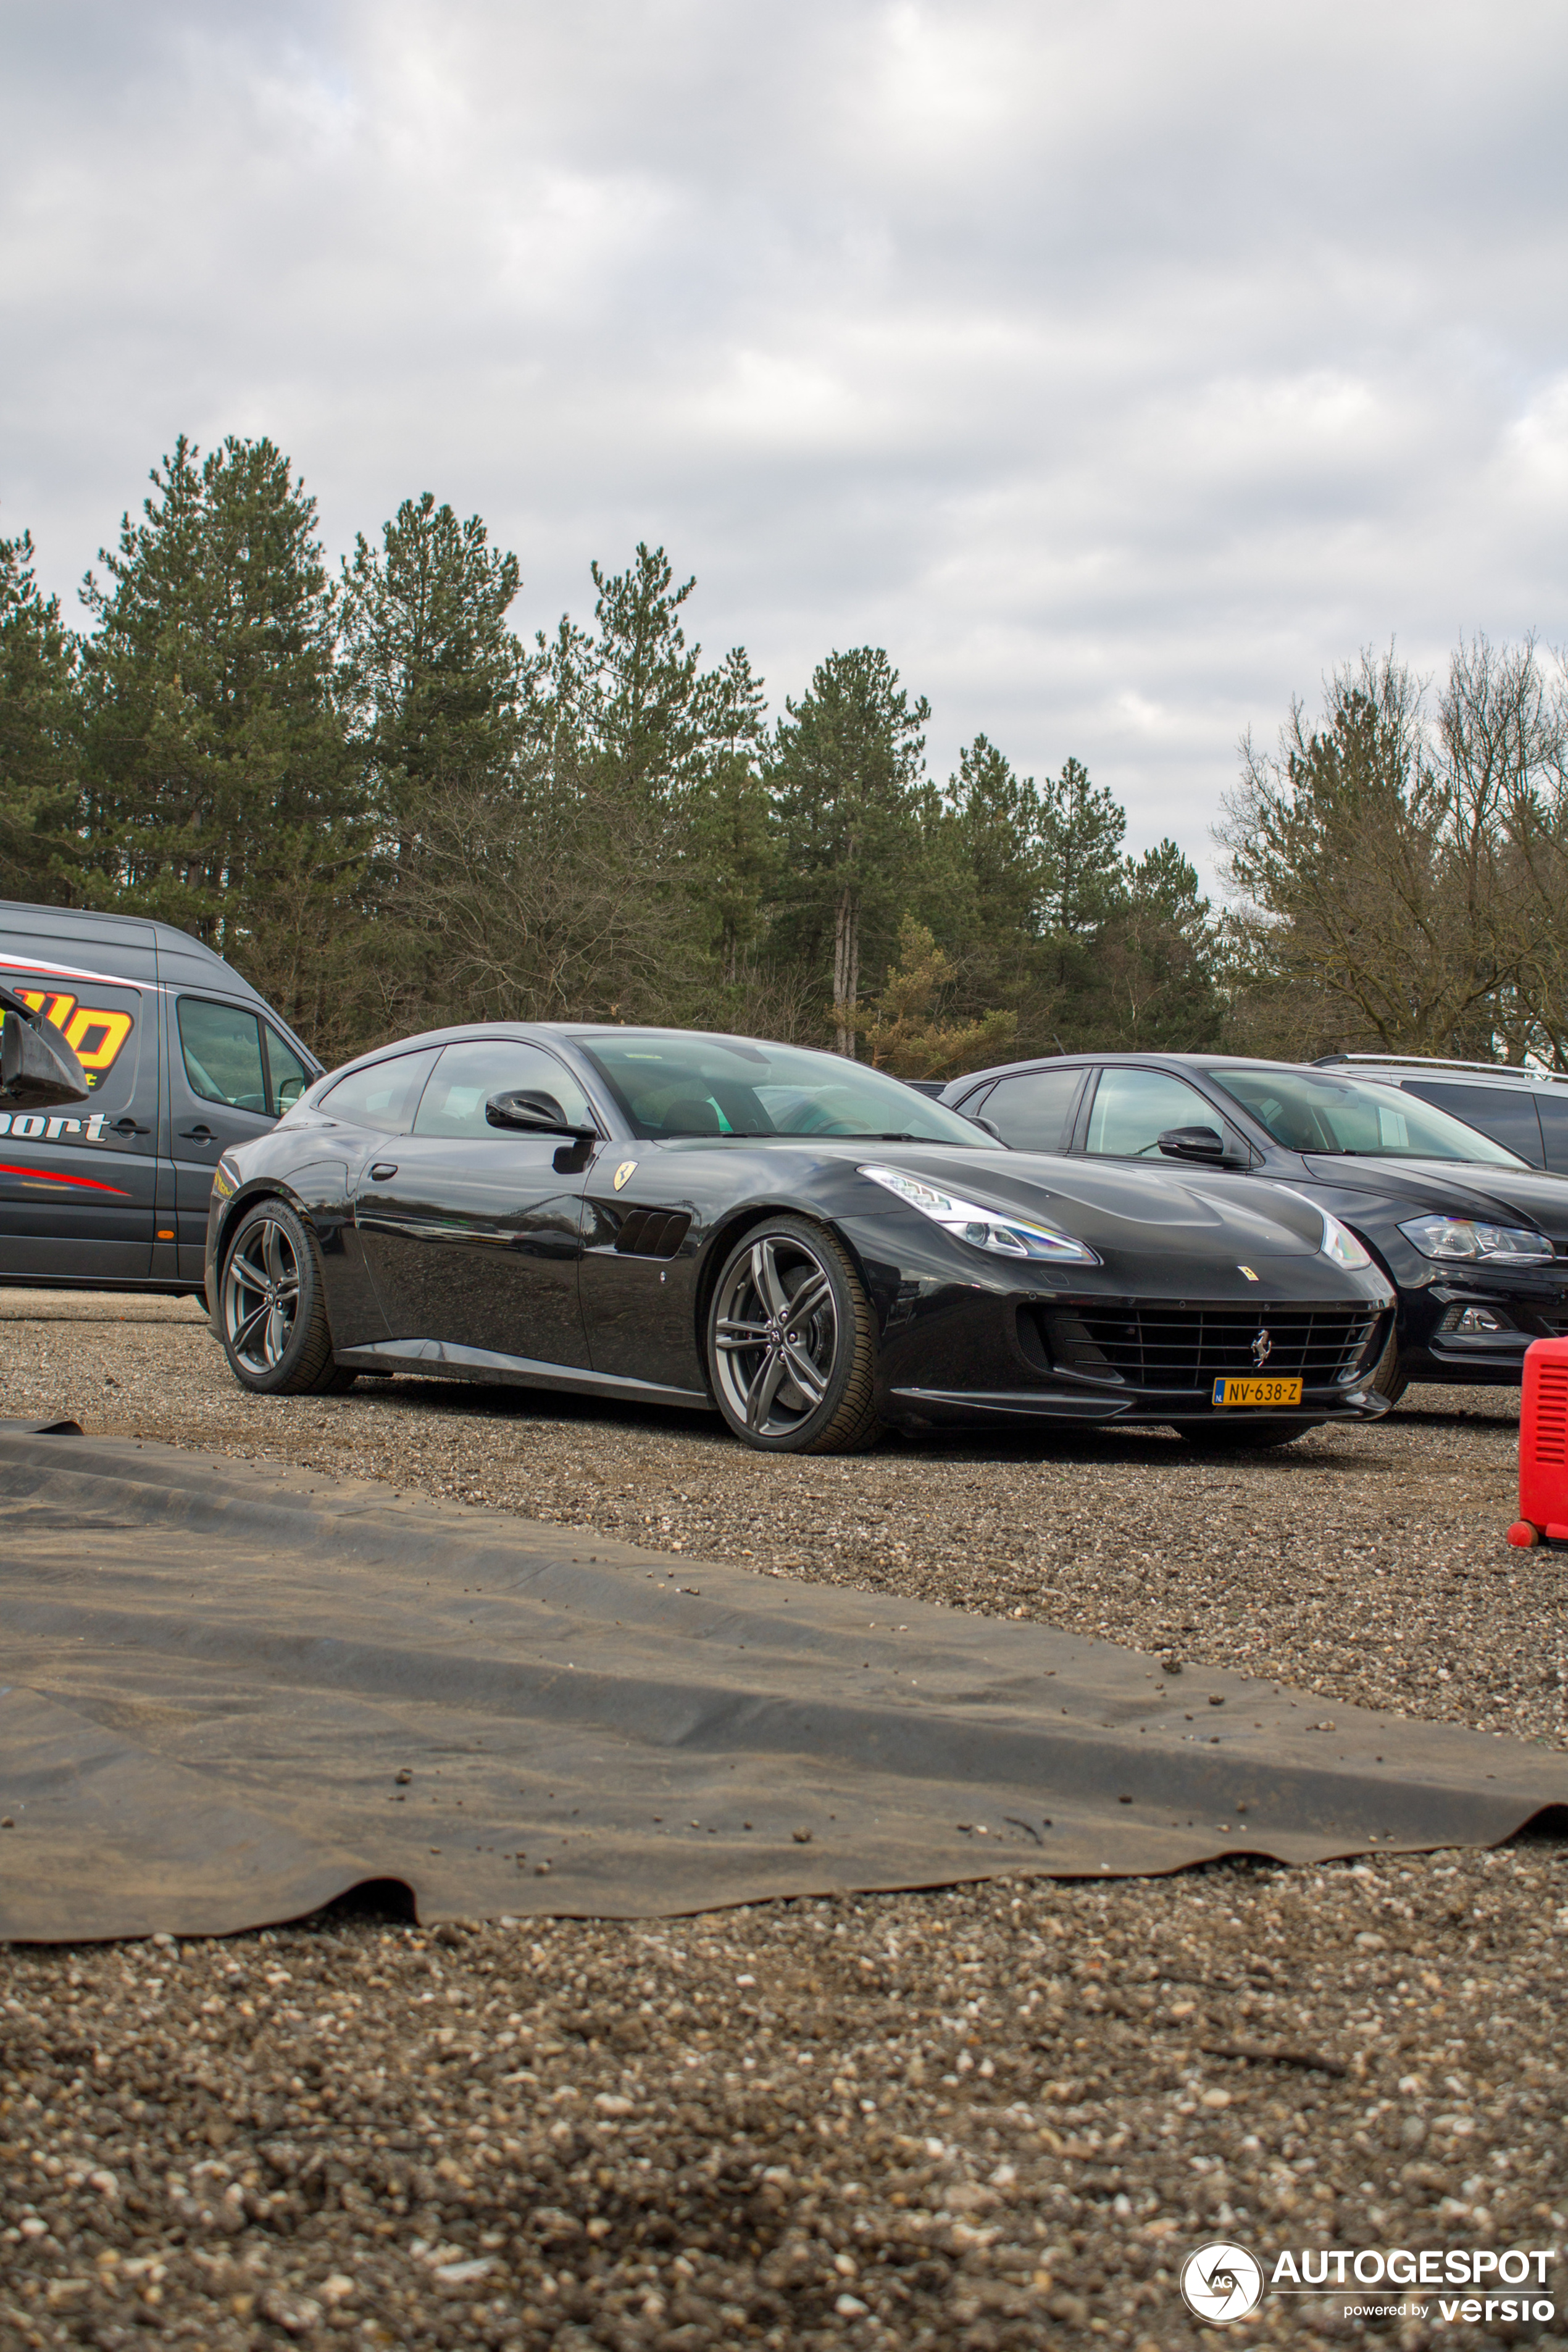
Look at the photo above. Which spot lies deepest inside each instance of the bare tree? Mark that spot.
(1368, 865)
(1502, 745)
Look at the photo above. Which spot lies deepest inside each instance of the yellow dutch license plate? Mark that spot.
(1257, 1392)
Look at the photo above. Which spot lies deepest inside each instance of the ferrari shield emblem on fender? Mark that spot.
(1240, 1269)
(624, 1173)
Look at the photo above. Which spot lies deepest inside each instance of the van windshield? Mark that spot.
(1307, 1112)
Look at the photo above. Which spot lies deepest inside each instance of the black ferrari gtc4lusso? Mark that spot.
(806, 1244)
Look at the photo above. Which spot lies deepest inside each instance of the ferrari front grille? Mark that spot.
(1192, 1346)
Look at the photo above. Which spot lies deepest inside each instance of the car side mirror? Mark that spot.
(975, 1119)
(38, 1069)
(532, 1112)
(1194, 1143)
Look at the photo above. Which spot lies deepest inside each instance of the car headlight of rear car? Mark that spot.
(999, 1231)
(1465, 1238)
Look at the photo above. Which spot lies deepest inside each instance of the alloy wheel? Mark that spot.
(261, 1296)
(775, 1336)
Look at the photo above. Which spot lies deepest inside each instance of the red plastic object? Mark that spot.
(1543, 1444)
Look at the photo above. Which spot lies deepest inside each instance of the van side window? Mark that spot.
(287, 1072)
(221, 1049)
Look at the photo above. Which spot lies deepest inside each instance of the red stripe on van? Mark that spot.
(46, 1176)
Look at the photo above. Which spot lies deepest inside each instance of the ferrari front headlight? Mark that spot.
(1340, 1244)
(1466, 1240)
(999, 1231)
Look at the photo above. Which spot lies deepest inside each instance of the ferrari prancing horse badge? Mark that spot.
(624, 1173)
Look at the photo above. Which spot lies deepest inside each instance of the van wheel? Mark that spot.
(272, 1314)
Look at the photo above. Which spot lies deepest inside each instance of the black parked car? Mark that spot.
(806, 1244)
(1475, 1240)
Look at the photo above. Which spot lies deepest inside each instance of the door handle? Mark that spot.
(196, 1134)
(383, 1170)
(128, 1125)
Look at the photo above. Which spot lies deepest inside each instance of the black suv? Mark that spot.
(1473, 1239)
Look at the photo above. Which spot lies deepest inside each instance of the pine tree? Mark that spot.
(219, 793)
(1082, 831)
(1157, 958)
(729, 820)
(430, 672)
(847, 768)
(647, 710)
(40, 735)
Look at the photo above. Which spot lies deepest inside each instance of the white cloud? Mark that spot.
(1119, 367)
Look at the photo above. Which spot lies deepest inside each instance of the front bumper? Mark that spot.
(1145, 1408)
(991, 1353)
(1442, 1326)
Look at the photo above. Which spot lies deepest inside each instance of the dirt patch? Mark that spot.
(994, 2118)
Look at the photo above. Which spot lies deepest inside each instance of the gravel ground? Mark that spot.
(998, 2118)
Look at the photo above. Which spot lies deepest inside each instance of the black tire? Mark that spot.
(272, 1307)
(1391, 1378)
(792, 1342)
(1242, 1436)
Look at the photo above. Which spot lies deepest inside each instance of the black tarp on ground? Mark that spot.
(213, 1676)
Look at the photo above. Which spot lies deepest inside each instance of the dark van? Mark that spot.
(181, 1057)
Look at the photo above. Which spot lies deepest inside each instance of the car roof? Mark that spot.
(1130, 1060)
(1432, 1066)
(566, 1033)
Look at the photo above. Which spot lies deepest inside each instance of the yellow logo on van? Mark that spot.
(94, 1034)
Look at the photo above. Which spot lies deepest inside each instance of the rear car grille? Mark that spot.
(1192, 1346)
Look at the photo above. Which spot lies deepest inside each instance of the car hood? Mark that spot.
(1116, 1209)
(1521, 1196)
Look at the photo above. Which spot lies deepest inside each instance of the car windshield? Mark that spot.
(691, 1085)
(1307, 1111)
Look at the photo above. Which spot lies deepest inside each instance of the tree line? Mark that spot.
(390, 810)
(1401, 866)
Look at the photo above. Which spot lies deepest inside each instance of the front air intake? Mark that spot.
(1176, 1348)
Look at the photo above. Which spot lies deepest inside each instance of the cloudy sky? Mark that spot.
(1118, 365)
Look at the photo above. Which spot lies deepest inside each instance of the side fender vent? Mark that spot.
(652, 1233)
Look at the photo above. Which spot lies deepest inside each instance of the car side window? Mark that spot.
(1031, 1111)
(1132, 1109)
(287, 1073)
(467, 1075)
(384, 1096)
(221, 1048)
(1504, 1113)
(1553, 1108)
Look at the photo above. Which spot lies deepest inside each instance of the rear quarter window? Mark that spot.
(383, 1098)
(1552, 1109)
(1504, 1113)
